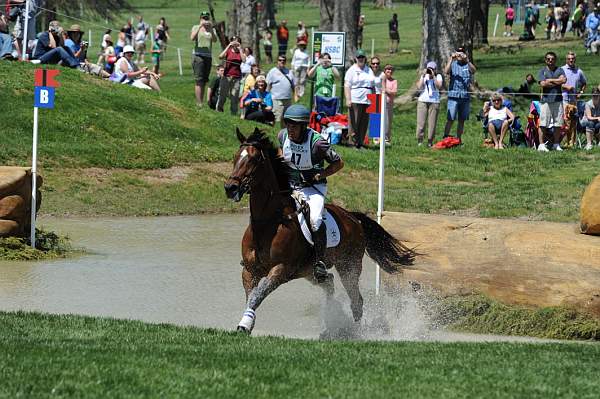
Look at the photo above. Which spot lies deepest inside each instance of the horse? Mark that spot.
(274, 250)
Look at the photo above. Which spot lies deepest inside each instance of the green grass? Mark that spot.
(129, 133)
(75, 356)
(48, 245)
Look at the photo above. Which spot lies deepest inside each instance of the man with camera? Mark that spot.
(49, 49)
(203, 37)
(461, 71)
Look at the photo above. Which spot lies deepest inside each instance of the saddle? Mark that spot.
(331, 226)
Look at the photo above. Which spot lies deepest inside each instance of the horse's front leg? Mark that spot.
(265, 286)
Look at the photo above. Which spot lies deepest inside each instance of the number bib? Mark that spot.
(298, 156)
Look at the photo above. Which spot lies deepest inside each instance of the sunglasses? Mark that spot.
(280, 60)
(374, 63)
(497, 101)
(570, 59)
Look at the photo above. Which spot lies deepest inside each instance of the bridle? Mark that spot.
(246, 182)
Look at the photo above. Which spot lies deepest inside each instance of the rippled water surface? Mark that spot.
(181, 270)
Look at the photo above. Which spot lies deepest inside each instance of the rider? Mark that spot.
(304, 152)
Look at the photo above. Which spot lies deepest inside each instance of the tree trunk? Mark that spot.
(479, 16)
(446, 26)
(243, 23)
(341, 16)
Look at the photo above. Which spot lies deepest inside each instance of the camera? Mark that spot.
(429, 71)
(16, 12)
(85, 44)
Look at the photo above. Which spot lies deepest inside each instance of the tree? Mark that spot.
(479, 18)
(446, 26)
(341, 16)
(243, 22)
(384, 3)
(268, 15)
(105, 9)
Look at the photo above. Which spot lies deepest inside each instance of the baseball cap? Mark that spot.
(204, 14)
(107, 38)
(128, 49)
(360, 53)
(432, 65)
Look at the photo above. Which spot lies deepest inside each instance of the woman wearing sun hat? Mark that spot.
(126, 72)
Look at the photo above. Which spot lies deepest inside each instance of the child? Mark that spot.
(156, 52)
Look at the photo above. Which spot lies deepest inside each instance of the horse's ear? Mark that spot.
(240, 136)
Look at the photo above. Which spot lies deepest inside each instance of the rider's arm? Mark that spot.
(331, 169)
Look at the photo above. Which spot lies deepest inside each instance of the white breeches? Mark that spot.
(316, 201)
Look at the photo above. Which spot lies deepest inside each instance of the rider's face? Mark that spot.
(294, 131)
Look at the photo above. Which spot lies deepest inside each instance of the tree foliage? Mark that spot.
(106, 9)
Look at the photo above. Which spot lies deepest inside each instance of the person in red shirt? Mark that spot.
(283, 35)
(232, 75)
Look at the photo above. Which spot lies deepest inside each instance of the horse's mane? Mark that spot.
(259, 139)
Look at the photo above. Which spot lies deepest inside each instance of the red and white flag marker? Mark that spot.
(44, 87)
(377, 106)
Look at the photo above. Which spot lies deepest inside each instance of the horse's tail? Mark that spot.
(384, 248)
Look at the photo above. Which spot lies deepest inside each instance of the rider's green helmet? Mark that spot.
(297, 113)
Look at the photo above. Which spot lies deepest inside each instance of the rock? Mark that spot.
(15, 200)
(534, 264)
(590, 208)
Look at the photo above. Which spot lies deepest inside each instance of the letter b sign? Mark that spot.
(44, 97)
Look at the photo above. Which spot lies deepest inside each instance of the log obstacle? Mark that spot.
(535, 264)
(15, 200)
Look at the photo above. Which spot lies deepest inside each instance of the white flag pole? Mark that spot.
(382, 122)
(496, 24)
(372, 48)
(34, 175)
(179, 58)
(24, 56)
(90, 38)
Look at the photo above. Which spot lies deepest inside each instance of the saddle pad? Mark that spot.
(333, 230)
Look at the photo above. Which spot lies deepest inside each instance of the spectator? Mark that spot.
(375, 64)
(126, 72)
(120, 42)
(301, 34)
(103, 45)
(230, 85)
(592, 22)
(390, 85)
(213, 89)
(530, 22)
(509, 14)
(280, 81)
(325, 75)
(162, 35)
(140, 40)
(156, 57)
(498, 118)
(526, 88)
(550, 24)
(571, 91)
(461, 71)
(359, 31)
(268, 45)
(358, 82)
(6, 46)
(564, 19)
(248, 84)
(258, 103)
(428, 104)
(283, 35)
(203, 37)
(72, 41)
(247, 64)
(577, 20)
(300, 63)
(394, 35)
(591, 119)
(49, 48)
(129, 32)
(108, 56)
(551, 78)
(17, 14)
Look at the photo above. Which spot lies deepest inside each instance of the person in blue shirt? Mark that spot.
(258, 103)
(461, 72)
(73, 42)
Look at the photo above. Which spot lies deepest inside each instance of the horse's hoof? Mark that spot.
(243, 330)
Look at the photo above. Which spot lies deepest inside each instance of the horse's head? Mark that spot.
(246, 162)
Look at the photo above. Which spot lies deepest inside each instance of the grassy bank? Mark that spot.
(89, 357)
(112, 150)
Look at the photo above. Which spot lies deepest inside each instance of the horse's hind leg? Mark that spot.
(350, 275)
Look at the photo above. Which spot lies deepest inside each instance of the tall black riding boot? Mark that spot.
(320, 240)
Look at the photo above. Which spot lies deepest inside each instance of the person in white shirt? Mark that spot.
(358, 82)
(428, 104)
(300, 64)
(247, 65)
(140, 40)
(499, 119)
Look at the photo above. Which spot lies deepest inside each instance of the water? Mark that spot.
(186, 271)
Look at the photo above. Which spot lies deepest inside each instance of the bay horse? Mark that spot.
(274, 250)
